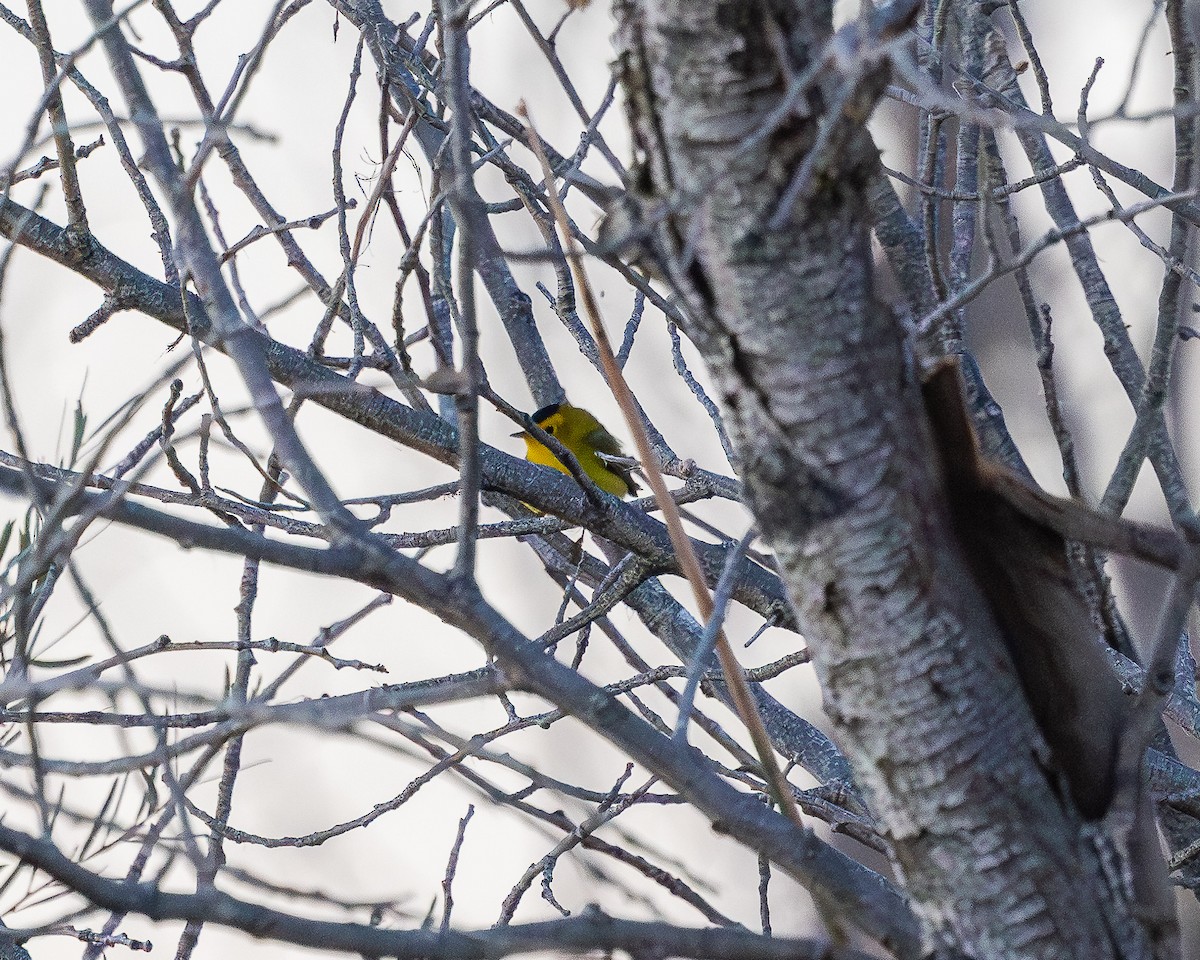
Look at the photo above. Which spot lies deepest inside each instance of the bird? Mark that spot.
(586, 438)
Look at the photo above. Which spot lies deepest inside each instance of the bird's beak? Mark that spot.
(519, 433)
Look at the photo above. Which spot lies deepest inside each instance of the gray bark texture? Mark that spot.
(842, 472)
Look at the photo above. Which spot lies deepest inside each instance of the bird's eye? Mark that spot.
(550, 429)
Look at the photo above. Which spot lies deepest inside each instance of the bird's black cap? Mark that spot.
(545, 412)
(539, 416)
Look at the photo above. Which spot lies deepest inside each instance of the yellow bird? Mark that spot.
(585, 437)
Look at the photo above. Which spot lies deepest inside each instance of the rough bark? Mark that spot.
(824, 410)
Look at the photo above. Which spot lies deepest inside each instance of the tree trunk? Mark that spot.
(824, 407)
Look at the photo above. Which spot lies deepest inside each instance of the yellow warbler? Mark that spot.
(585, 437)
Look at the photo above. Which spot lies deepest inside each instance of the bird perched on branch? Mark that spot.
(598, 451)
